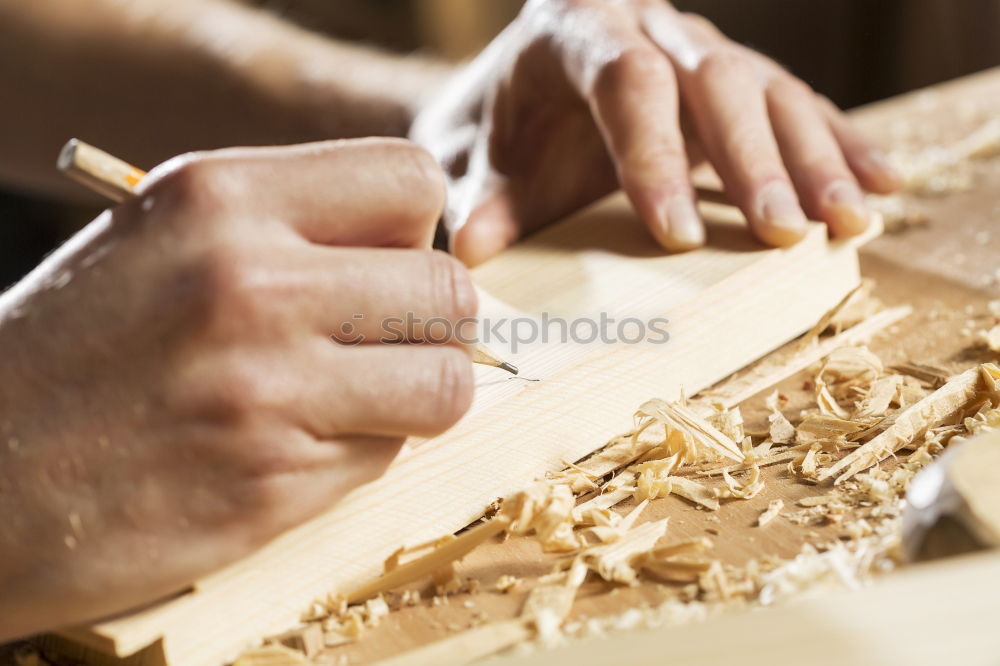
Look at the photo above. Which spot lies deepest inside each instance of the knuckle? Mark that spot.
(422, 177)
(727, 62)
(700, 22)
(451, 389)
(192, 185)
(226, 286)
(794, 89)
(451, 290)
(632, 65)
(237, 394)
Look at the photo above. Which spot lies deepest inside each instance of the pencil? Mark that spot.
(116, 179)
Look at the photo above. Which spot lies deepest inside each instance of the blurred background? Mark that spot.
(854, 51)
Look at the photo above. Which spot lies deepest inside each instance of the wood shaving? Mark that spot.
(308, 639)
(777, 367)
(667, 562)
(750, 488)
(507, 583)
(271, 655)
(728, 421)
(992, 338)
(929, 374)
(614, 561)
(779, 428)
(652, 486)
(685, 433)
(546, 510)
(774, 507)
(816, 500)
(824, 427)
(946, 403)
(881, 394)
(449, 551)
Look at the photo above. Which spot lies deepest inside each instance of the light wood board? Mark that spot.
(728, 304)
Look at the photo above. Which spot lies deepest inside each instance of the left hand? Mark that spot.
(577, 97)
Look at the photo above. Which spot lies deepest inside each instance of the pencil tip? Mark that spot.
(504, 365)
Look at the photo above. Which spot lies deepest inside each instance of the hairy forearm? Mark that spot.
(153, 79)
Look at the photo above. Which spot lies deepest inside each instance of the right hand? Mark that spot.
(170, 396)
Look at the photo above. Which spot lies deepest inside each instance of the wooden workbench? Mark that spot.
(947, 270)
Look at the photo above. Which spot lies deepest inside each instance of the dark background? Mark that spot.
(854, 51)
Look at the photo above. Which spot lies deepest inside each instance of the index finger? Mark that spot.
(362, 192)
(631, 90)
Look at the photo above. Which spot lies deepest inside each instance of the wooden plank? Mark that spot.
(930, 614)
(728, 304)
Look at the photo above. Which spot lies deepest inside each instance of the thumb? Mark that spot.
(491, 227)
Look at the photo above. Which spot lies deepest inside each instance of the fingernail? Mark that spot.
(682, 227)
(779, 209)
(845, 201)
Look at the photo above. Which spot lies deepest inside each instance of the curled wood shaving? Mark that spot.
(614, 561)
(856, 366)
(685, 433)
(577, 478)
(948, 402)
(770, 513)
(879, 397)
(780, 366)
(664, 564)
(625, 449)
(727, 421)
(653, 485)
(746, 490)
(611, 533)
(779, 428)
(827, 404)
(545, 510)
